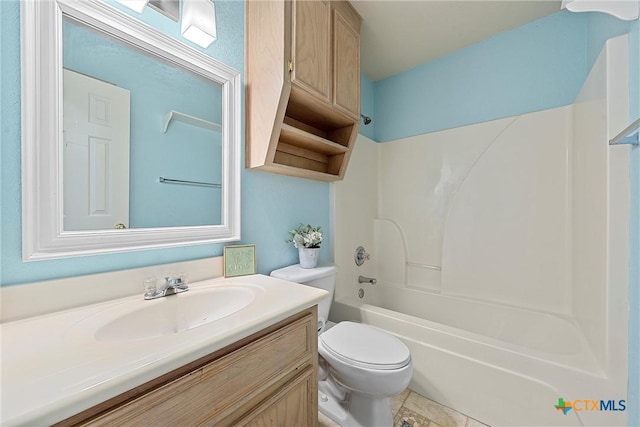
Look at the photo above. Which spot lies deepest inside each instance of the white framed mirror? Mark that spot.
(130, 138)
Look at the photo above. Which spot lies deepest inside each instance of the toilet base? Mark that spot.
(350, 409)
(371, 411)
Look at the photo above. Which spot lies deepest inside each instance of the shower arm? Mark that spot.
(365, 119)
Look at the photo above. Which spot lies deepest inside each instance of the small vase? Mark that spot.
(308, 257)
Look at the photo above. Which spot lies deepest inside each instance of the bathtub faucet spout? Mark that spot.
(362, 279)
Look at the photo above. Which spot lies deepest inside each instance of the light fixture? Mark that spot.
(169, 8)
(627, 10)
(135, 5)
(199, 22)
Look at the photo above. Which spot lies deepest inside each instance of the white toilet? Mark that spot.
(366, 366)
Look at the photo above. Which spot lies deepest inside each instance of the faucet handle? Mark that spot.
(170, 286)
(150, 286)
(182, 278)
(360, 256)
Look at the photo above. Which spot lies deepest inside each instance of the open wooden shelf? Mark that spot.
(314, 140)
(304, 140)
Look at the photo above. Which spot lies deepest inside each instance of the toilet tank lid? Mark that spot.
(295, 273)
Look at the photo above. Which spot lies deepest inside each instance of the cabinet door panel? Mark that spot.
(346, 66)
(311, 43)
(294, 405)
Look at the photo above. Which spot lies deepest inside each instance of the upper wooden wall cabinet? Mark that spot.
(303, 86)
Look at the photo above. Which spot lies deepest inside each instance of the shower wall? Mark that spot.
(354, 206)
(516, 211)
(599, 177)
(498, 191)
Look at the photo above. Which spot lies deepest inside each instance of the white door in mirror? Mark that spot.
(96, 153)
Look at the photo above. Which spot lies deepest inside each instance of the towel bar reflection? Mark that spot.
(630, 135)
(183, 182)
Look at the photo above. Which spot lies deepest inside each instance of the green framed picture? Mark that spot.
(239, 260)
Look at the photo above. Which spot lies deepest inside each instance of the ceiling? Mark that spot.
(398, 34)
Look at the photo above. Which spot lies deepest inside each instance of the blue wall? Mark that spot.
(271, 204)
(534, 67)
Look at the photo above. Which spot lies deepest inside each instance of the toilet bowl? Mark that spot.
(360, 366)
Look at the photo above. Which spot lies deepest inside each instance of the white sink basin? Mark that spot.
(175, 313)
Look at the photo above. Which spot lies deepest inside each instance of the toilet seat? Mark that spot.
(365, 347)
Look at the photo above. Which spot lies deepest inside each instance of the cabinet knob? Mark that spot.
(290, 66)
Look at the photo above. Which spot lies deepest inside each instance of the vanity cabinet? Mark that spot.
(303, 86)
(269, 378)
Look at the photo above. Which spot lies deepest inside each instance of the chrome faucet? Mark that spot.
(171, 286)
(363, 279)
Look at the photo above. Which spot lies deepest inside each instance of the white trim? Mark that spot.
(43, 236)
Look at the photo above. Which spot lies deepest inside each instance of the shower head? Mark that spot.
(365, 119)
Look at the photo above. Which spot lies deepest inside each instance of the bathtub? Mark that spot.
(498, 364)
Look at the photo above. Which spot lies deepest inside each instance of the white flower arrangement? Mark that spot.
(306, 236)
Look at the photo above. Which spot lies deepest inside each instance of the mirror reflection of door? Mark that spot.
(96, 154)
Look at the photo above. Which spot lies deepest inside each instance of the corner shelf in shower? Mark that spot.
(192, 120)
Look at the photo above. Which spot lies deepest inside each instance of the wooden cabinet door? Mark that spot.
(294, 405)
(346, 66)
(310, 53)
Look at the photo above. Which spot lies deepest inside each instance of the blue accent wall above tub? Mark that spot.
(538, 66)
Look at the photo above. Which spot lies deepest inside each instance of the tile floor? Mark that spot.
(413, 410)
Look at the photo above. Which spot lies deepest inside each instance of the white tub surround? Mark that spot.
(500, 251)
(55, 365)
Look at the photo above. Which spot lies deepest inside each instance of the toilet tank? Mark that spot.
(323, 277)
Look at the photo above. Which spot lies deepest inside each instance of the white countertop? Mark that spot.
(53, 367)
